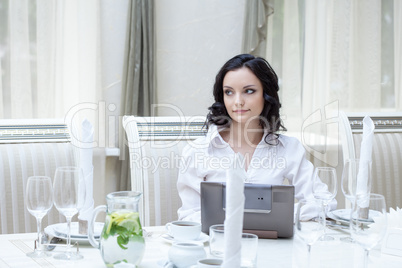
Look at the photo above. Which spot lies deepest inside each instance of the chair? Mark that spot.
(155, 146)
(27, 148)
(387, 151)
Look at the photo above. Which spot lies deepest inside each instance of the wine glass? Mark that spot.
(39, 200)
(363, 230)
(324, 189)
(69, 197)
(349, 183)
(308, 225)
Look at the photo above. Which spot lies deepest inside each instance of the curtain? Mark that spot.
(255, 26)
(138, 91)
(341, 53)
(49, 57)
(398, 52)
(331, 56)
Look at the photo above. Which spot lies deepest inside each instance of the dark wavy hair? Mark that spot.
(269, 117)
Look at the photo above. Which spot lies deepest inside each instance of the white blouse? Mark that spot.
(208, 158)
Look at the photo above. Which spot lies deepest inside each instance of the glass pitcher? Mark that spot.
(121, 240)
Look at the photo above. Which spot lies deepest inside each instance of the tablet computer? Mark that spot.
(268, 209)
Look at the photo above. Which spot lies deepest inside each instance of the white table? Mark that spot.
(271, 253)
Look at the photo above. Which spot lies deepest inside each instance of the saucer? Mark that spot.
(165, 263)
(170, 239)
(344, 214)
(337, 219)
(59, 230)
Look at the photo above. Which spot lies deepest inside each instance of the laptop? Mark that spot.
(268, 209)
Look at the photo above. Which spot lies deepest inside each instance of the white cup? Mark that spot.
(186, 254)
(184, 230)
(209, 263)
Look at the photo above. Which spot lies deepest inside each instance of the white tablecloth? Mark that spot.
(271, 253)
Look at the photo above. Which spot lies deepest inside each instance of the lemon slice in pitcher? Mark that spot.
(128, 220)
(132, 225)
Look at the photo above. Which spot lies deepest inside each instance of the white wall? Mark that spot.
(113, 34)
(113, 26)
(193, 40)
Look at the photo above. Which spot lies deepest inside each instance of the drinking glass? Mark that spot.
(39, 201)
(349, 178)
(308, 225)
(362, 229)
(249, 245)
(69, 197)
(324, 190)
(349, 182)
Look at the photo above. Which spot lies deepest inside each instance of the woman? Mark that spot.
(244, 119)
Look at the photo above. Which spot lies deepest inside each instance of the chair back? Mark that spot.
(387, 151)
(28, 148)
(155, 147)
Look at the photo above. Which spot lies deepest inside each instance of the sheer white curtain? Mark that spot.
(49, 57)
(331, 56)
(336, 53)
(398, 52)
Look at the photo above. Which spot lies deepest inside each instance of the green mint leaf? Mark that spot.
(122, 241)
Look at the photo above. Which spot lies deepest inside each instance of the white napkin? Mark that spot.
(365, 157)
(85, 162)
(394, 218)
(235, 176)
(391, 243)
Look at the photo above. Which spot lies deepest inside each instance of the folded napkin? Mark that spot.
(85, 162)
(394, 219)
(393, 224)
(235, 176)
(365, 157)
